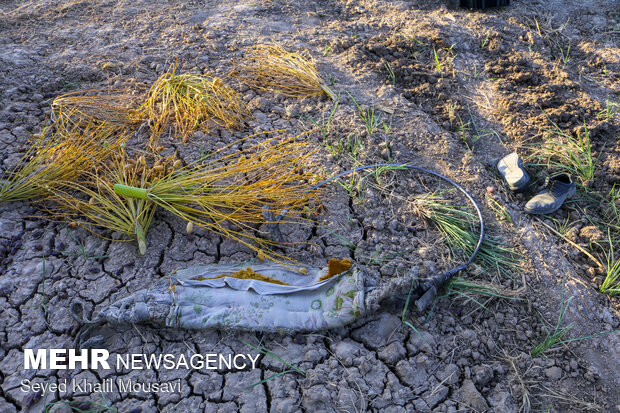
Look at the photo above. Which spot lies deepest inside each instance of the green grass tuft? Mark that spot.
(556, 337)
(611, 284)
(457, 223)
(371, 120)
(572, 155)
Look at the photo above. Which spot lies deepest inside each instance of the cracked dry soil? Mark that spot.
(507, 71)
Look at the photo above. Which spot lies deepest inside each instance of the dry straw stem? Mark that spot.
(270, 67)
(56, 159)
(191, 101)
(112, 109)
(227, 194)
(95, 202)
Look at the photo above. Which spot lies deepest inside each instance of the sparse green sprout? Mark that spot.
(485, 41)
(562, 226)
(437, 63)
(553, 338)
(611, 110)
(611, 284)
(353, 186)
(387, 126)
(367, 114)
(325, 122)
(500, 210)
(351, 145)
(556, 337)
(390, 72)
(612, 209)
(564, 53)
(449, 57)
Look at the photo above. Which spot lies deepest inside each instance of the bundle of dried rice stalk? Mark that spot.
(95, 203)
(190, 101)
(112, 109)
(57, 158)
(232, 191)
(270, 67)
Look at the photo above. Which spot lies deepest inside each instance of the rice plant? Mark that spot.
(390, 72)
(556, 336)
(324, 124)
(457, 223)
(465, 288)
(270, 67)
(94, 203)
(437, 63)
(228, 194)
(367, 114)
(611, 211)
(117, 111)
(469, 289)
(500, 211)
(572, 155)
(191, 101)
(60, 155)
(611, 284)
(611, 110)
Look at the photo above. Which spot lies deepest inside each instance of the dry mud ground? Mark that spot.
(505, 76)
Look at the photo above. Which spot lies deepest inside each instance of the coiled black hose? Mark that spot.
(427, 288)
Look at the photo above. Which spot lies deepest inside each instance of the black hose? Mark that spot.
(428, 287)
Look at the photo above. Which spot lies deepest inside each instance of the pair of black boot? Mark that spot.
(558, 188)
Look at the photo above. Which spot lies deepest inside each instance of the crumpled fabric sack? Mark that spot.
(193, 299)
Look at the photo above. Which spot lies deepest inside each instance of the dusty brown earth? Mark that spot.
(505, 78)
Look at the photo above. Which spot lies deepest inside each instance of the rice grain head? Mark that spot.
(116, 110)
